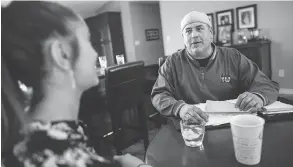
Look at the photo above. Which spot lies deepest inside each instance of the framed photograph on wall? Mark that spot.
(246, 17)
(211, 17)
(224, 36)
(152, 34)
(225, 17)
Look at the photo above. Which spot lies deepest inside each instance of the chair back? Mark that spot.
(124, 85)
(13, 117)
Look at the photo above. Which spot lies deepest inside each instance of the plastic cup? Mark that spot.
(247, 133)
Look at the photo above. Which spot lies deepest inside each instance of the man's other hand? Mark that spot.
(247, 101)
(193, 114)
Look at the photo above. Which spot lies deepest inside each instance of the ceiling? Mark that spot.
(89, 8)
(84, 8)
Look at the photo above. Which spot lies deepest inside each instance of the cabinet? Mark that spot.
(259, 52)
(107, 35)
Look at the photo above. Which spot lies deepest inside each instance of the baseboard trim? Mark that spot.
(286, 91)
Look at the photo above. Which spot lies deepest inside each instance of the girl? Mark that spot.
(46, 46)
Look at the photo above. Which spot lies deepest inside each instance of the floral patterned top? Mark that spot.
(57, 144)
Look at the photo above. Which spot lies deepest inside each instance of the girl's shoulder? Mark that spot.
(59, 143)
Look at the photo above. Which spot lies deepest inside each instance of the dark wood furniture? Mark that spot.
(124, 93)
(259, 52)
(107, 35)
(167, 149)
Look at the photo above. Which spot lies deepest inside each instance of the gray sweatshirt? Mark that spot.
(228, 73)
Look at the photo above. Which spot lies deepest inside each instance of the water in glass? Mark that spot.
(192, 134)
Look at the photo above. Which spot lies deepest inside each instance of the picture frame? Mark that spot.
(211, 17)
(247, 17)
(224, 35)
(152, 34)
(225, 17)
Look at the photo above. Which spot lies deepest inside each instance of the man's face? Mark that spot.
(197, 38)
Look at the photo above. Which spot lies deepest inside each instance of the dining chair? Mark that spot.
(124, 94)
(12, 114)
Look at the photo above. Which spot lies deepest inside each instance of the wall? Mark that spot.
(136, 17)
(84, 8)
(146, 16)
(127, 31)
(273, 17)
(112, 6)
(124, 8)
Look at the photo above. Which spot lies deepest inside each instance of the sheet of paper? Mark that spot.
(216, 119)
(223, 118)
(202, 106)
(221, 107)
(278, 107)
(233, 101)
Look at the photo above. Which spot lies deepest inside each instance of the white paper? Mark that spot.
(232, 101)
(201, 106)
(220, 107)
(276, 107)
(218, 118)
(279, 107)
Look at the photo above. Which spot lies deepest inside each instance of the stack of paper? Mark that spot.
(221, 112)
(225, 107)
(219, 119)
(278, 107)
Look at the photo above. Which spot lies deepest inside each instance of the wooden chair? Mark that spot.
(124, 93)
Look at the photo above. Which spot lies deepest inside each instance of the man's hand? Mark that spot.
(128, 160)
(193, 114)
(247, 100)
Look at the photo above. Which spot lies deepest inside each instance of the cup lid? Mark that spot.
(247, 121)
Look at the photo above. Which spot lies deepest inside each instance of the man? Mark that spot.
(203, 71)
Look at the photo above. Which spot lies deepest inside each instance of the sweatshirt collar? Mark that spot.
(213, 54)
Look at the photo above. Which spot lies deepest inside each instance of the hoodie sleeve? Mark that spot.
(163, 93)
(253, 80)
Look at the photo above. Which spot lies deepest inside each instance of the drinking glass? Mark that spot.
(193, 134)
(120, 59)
(103, 61)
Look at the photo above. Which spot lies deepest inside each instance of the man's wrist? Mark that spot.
(183, 109)
(177, 112)
(261, 97)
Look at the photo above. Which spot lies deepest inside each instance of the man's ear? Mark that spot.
(211, 30)
(60, 55)
(212, 33)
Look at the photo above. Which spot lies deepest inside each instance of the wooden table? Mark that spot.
(167, 149)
